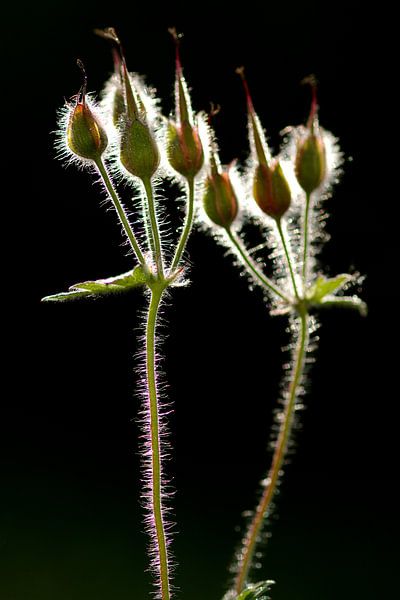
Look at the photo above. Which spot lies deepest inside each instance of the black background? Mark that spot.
(70, 523)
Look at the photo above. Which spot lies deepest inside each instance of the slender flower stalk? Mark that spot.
(254, 531)
(288, 257)
(250, 266)
(156, 492)
(306, 229)
(155, 232)
(187, 226)
(120, 210)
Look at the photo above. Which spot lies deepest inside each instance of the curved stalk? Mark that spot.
(155, 232)
(306, 227)
(288, 258)
(187, 227)
(120, 210)
(263, 279)
(156, 454)
(254, 530)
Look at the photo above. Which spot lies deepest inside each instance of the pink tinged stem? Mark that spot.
(156, 490)
(253, 533)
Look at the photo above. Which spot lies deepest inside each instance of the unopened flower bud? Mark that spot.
(271, 190)
(138, 148)
(220, 200)
(310, 164)
(86, 136)
(184, 147)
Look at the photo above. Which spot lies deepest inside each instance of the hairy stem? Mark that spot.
(288, 257)
(254, 530)
(250, 266)
(156, 466)
(155, 232)
(120, 210)
(306, 228)
(187, 227)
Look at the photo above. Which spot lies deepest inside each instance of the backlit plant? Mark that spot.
(125, 137)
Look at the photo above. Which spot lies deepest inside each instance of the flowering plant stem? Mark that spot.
(120, 210)
(156, 466)
(265, 281)
(154, 226)
(288, 259)
(188, 225)
(255, 528)
(305, 238)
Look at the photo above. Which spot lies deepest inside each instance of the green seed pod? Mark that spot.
(184, 149)
(271, 190)
(138, 149)
(219, 200)
(310, 162)
(86, 136)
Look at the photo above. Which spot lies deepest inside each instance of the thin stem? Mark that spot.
(265, 281)
(253, 533)
(120, 210)
(156, 467)
(288, 258)
(158, 259)
(306, 227)
(187, 227)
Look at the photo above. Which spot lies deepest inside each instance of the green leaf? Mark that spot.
(324, 287)
(256, 591)
(352, 302)
(102, 287)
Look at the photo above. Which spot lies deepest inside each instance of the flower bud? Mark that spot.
(271, 190)
(220, 200)
(184, 147)
(86, 136)
(139, 153)
(310, 162)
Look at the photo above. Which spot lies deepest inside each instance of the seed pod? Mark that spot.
(220, 200)
(184, 147)
(271, 190)
(310, 162)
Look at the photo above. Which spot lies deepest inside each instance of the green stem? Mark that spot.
(288, 258)
(155, 232)
(306, 227)
(120, 210)
(156, 466)
(265, 281)
(187, 227)
(253, 533)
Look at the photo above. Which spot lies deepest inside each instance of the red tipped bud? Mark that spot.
(86, 136)
(310, 164)
(271, 190)
(220, 200)
(184, 147)
(139, 153)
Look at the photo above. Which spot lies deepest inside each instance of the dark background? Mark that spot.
(70, 520)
